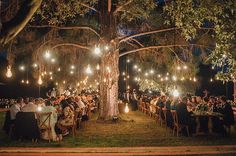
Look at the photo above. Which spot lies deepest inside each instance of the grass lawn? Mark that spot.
(141, 130)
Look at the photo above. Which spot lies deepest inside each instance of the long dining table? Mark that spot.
(4, 109)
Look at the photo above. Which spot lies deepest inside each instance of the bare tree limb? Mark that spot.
(159, 46)
(11, 28)
(87, 6)
(67, 28)
(70, 44)
(120, 7)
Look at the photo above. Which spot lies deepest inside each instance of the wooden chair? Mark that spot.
(176, 124)
(74, 124)
(44, 123)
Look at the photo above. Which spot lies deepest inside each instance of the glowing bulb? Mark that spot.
(139, 70)
(182, 79)
(161, 79)
(194, 79)
(106, 47)
(97, 50)
(128, 77)
(72, 67)
(50, 73)
(22, 68)
(78, 84)
(185, 67)
(47, 55)
(175, 93)
(159, 75)
(174, 78)
(58, 69)
(9, 73)
(166, 78)
(135, 66)
(64, 82)
(51, 78)
(108, 69)
(178, 67)
(128, 61)
(56, 83)
(22, 81)
(128, 87)
(146, 74)
(40, 81)
(88, 70)
(151, 71)
(53, 60)
(123, 73)
(126, 108)
(35, 65)
(211, 80)
(98, 67)
(71, 72)
(39, 108)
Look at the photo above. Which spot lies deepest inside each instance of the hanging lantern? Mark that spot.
(40, 81)
(126, 108)
(9, 73)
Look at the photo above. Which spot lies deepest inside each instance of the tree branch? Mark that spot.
(147, 33)
(11, 28)
(120, 7)
(159, 46)
(70, 44)
(87, 6)
(66, 28)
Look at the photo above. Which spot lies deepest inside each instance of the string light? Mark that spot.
(35, 65)
(56, 83)
(174, 78)
(71, 72)
(98, 67)
(53, 60)
(128, 60)
(135, 66)
(22, 81)
(27, 81)
(178, 67)
(139, 70)
(72, 67)
(146, 74)
(175, 93)
(126, 108)
(151, 71)
(106, 47)
(88, 70)
(194, 79)
(58, 69)
(22, 67)
(64, 82)
(8, 73)
(47, 54)
(185, 67)
(97, 50)
(211, 80)
(40, 81)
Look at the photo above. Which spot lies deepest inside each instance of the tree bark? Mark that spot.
(109, 75)
(11, 28)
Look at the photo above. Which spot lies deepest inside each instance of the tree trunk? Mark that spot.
(109, 86)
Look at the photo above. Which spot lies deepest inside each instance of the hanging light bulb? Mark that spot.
(88, 70)
(56, 83)
(97, 50)
(178, 67)
(106, 47)
(135, 66)
(9, 73)
(194, 79)
(185, 67)
(211, 80)
(58, 69)
(98, 67)
(51, 78)
(35, 65)
(40, 81)
(175, 93)
(22, 81)
(126, 108)
(174, 78)
(47, 54)
(22, 67)
(27, 81)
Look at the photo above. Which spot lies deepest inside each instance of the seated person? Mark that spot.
(15, 108)
(30, 106)
(66, 119)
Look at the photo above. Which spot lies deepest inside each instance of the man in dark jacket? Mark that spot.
(182, 112)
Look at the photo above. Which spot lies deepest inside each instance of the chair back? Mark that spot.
(26, 125)
(44, 120)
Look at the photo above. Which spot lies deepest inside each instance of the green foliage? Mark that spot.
(191, 15)
(135, 9)
(61, 11)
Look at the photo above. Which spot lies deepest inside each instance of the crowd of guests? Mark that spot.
(63, 110)
(186, 106)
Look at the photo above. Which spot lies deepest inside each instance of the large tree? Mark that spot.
(133, 26)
